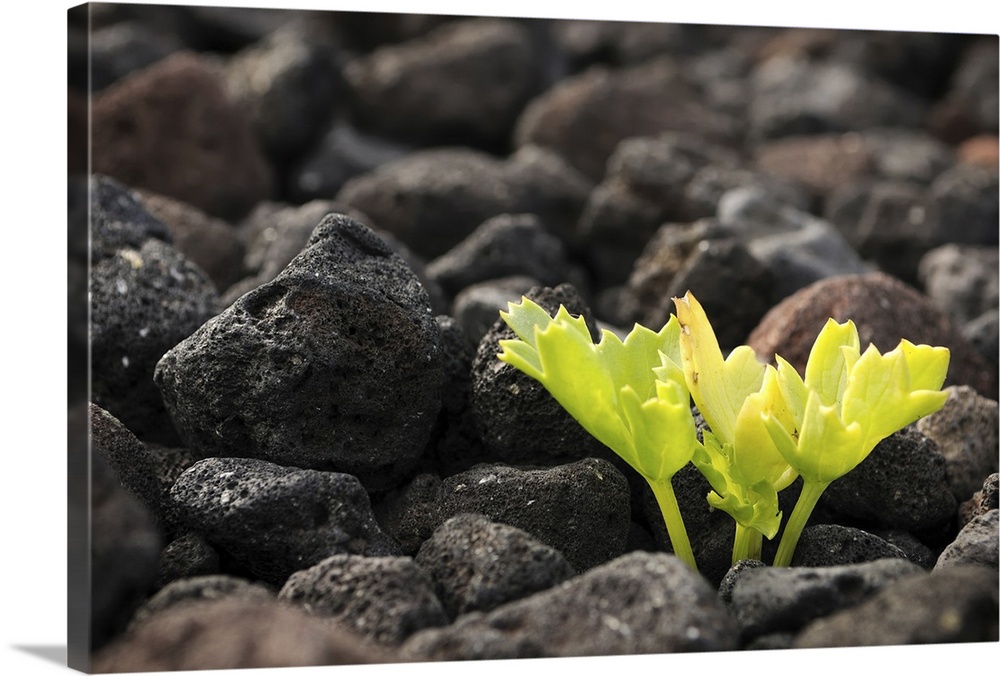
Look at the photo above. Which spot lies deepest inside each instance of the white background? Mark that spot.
(33, 311)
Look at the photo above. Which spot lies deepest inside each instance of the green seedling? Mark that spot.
(739, 459)
(630, 395)
(766, 425)
(827, 423)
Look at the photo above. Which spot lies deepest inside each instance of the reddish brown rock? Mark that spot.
(170, 128)
(885, 311)
(234, 633)
(982, 151)
(821, 163)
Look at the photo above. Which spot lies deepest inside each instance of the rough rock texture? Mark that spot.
(503, 246)
(145, 297)
(885, 311)
(519, 421)
(170, 128)
(132, 464)
(344, 586)
(768, 600)
(835, 545)
(269, 521)
(975, 544)
(901, 484)
(639, 603)
(235, 633)
(581, 509)
(478, 565)
(953, 605)
(966, 432)
(333, 365)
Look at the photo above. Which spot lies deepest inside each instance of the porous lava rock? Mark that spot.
(335, 365)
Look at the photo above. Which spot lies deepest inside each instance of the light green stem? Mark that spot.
(811, 490)
(667, 501)
(747, 544)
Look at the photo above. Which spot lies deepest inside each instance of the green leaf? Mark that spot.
(624, 393)
(830, 360)
(718, 386)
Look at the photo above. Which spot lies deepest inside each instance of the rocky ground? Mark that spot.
(302, 226)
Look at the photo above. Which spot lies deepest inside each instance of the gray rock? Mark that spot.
(907, 155)
(464, 82)
(477, 307)
(901, 484)
(334, 365)
(580, 509)
(976, 543)
(503, 246)
(188, 556)
(768, 600)
(731, 284)
(889, 222)
(478, 565)
(455, 444)
(290, 86)
(145, 298)
(965, 197)
(639, 603)
(965, 430)
(433, 199)
(962, 279)
(670, 177)
(791, 97)
(271, 521)
(384, 598)
(984, 500)
(833, 545)
(952, 605)
(972, 95)
(343, 153)
(131, 462)
(797, 247)
(983, 333)
(520, 422)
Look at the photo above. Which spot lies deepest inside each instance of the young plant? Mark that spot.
(630, 395)
(766, 425)
(827, 423)
(739, 459)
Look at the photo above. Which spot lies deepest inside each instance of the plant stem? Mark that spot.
(811, 490)
(747, 543)
(671, 512)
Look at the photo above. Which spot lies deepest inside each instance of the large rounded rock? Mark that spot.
(884, 309)
(333, 365)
